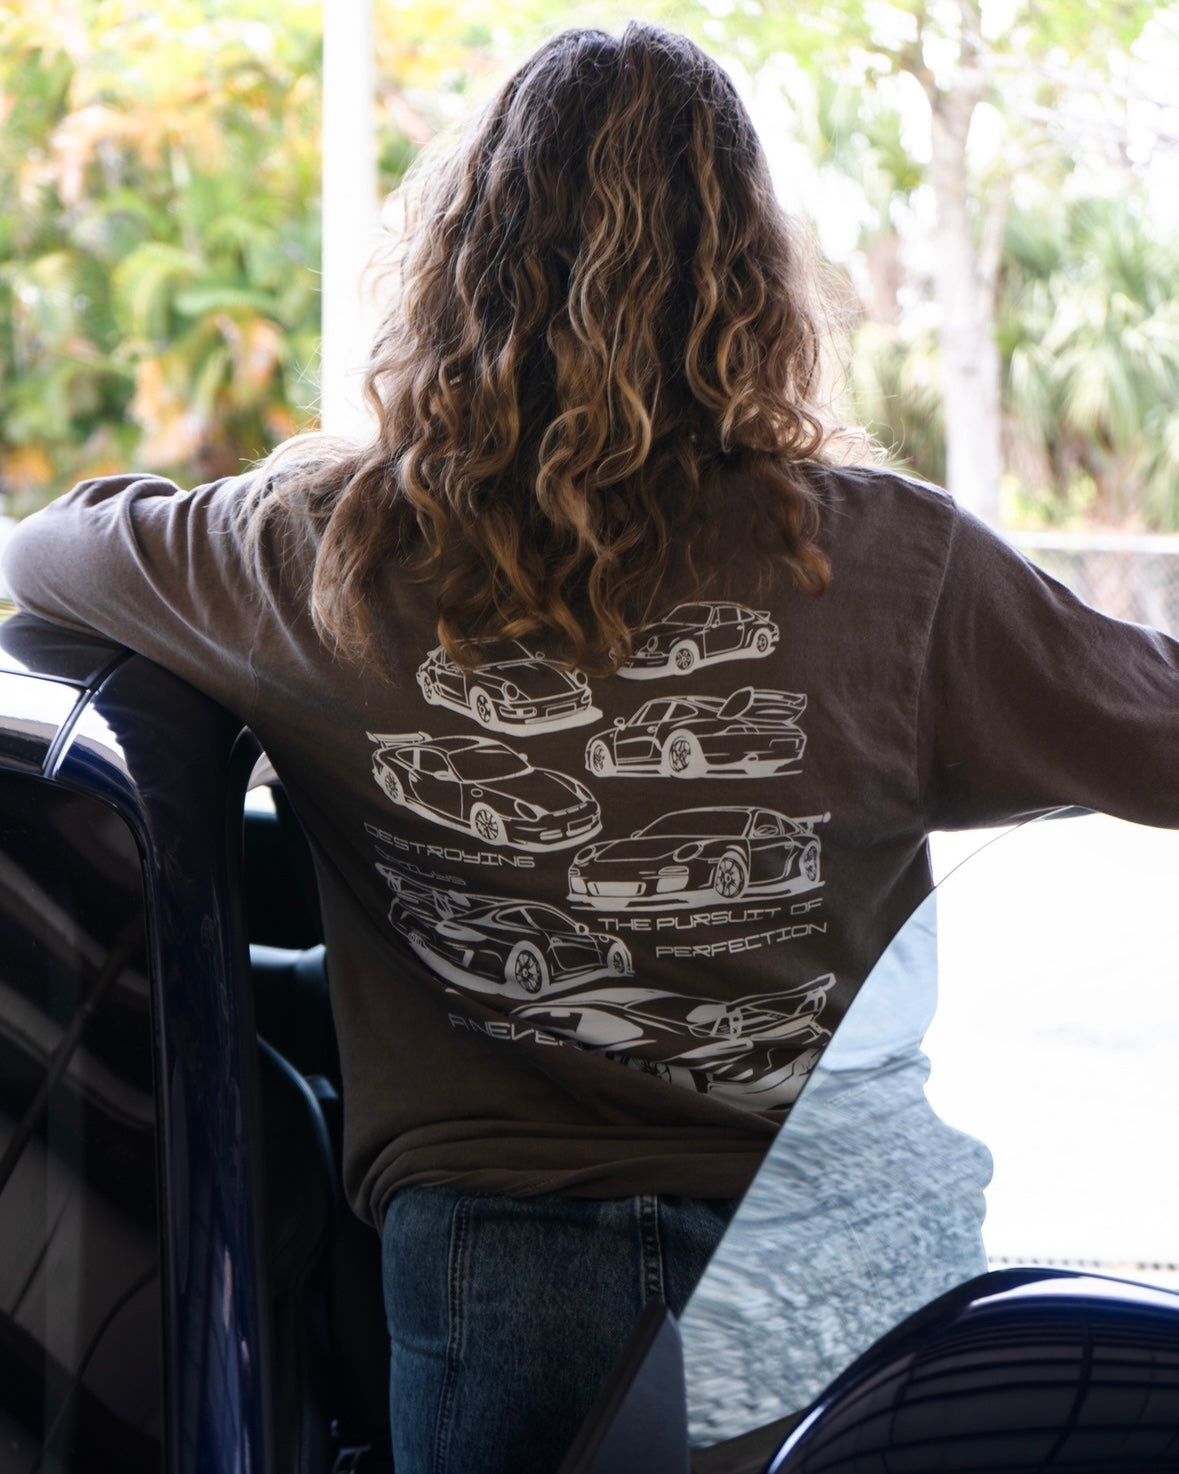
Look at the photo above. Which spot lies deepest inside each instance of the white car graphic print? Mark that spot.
(485, 789)
(696, 634)
(755, 1052)
(513, 691)
(489, 944)
(749, 734)
(697, 857)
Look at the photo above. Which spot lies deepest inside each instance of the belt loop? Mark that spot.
(651, 1247)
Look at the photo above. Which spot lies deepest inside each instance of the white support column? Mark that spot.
(350, 209)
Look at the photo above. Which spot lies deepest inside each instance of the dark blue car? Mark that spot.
(182, 1289)
(181, 1286)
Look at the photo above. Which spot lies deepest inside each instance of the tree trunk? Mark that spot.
(351, 213)
(966, 297)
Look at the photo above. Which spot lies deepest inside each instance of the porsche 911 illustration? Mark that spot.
(485, 789)
(489, 944)
(701, 633)
(753, 1050)
(514, 691)
(749, 734)
(697, 857)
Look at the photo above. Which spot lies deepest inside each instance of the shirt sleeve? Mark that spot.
(160, 570)
(1031, 700)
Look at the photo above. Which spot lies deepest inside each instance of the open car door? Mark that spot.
(963, 1250)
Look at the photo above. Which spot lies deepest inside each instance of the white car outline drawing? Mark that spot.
(485, 789)
(516, 690)
(755, 1051)
(504, 945)
(700, 857)
(749, 733)
(697, 633)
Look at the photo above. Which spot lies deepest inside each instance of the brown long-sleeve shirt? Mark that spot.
(591, 934)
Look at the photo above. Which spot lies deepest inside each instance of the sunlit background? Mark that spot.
(996, 183)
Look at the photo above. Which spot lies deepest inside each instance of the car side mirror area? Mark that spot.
(1014, 1369)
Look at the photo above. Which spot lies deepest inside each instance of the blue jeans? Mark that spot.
(506, 1314)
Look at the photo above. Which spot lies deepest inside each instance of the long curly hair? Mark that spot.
(602, 327)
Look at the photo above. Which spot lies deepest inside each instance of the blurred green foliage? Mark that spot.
(160, 218)
(1090, 337)
(158, 301)
(160, 237)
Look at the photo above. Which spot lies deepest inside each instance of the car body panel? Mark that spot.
(751, 733)
(485, 789)
(38, 711)
(515, 690)
(517, 948)
(209, 1211)
(1020, 1369)
(695, 857)
(749, 1051)
(704, 632)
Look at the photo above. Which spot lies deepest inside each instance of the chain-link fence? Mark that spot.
(1134, 578)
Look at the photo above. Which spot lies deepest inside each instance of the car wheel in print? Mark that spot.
(429, 689)
(618, 960)
(392, 786)
(526, 968)
(681, 755)
(685, 657)
(487, 824)
(599, 759)
(482, 706)
(808, 863)
(762, 642)
(729, 877)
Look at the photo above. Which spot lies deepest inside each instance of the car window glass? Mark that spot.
(546, 918)
(487, 763)
(80, 1320)
(995, 1095)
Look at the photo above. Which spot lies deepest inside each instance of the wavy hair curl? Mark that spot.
(603, 324)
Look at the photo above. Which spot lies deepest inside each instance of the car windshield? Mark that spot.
(548, 919)
(950, 1126)
(698, 823)
(487, 764)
